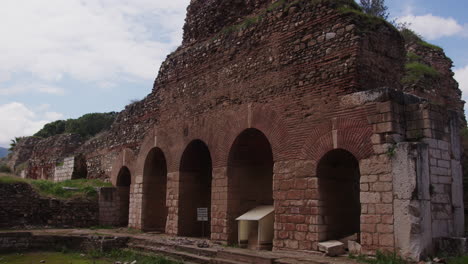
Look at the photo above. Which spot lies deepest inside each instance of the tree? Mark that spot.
(14, 142)
(375, 8)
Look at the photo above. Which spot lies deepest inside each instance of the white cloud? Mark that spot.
(88, 40)
(18, 120)
(433, 27)
(38, 88)
(461, 75)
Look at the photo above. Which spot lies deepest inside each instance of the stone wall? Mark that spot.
(109, 207)
(71, 168)
(24, 241)
(21, 206)
(49, 152)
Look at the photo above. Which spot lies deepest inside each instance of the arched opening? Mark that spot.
(154, 192)
(339, 189)
(124, 180)
(250, 177)
(195, 190)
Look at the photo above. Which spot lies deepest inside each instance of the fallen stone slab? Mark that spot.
(332, 248)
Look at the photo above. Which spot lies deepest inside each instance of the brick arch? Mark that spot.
(126, 158)
(352, 135)
(259, 116)
(154, 138)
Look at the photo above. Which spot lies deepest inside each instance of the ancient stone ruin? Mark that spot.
(297, 105)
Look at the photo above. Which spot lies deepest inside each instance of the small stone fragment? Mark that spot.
(354, 247)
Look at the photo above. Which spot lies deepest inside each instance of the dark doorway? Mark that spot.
(339, 188)
(195, 190)
(124, 180)
(250, 176)
(154, 194)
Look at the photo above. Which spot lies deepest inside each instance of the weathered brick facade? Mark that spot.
(308, 80)
(296, 104)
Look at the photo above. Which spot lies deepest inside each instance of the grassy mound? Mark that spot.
(70, 189)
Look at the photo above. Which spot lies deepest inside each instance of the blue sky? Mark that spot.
(67, 58)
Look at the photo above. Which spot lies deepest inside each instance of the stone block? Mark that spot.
(332, 248)
(354, 248)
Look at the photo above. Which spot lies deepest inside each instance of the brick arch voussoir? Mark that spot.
(155, 138)
(319, 138)
(228, 129)
(271, 124)
(126, 158)
(357, 141)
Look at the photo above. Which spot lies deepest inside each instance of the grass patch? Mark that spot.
(129, 256)
(283, 4)
(81, 188)
(458, 260)
(4, 168)
(381, 258)
(50, 258)
(412, 37)
(413, 57)
(415, 71)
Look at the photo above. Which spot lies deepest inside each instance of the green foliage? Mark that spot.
(391, 150)
(458, 260)
(366, 22)
(283, 4)
(83, 188)
(413, 57)
(415, 71)
(129, 256)
(87, 126)
(14, 142)
(381, 258)
(4, 168)
(8, 178)
(375, 8)
(412, 37)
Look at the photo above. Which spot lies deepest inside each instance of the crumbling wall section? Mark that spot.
(22, 207)
(49, 152)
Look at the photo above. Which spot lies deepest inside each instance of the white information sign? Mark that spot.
(202, 214)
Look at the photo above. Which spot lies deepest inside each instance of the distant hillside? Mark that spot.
(3, 152)
(87, 126)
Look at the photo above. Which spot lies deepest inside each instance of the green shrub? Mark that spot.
(87, 126)
(458, 260)
(412, 37)
(4, 168)
(415, 71)
(381, 258)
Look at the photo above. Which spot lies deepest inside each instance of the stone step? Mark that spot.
(207, 252)
(225, 261)
(180, 255)
(245, 257)
(147, 242)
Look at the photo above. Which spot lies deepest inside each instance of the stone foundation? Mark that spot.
(22, 207)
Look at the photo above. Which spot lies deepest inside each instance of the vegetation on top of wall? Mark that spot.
(283, 4)
(416, 69)
(412, 37)
(87, 126)
(71, 189)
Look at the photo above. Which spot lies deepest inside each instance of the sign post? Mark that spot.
(202, 216)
